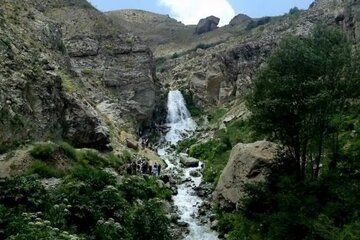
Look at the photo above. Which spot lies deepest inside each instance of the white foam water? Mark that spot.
(182, 126)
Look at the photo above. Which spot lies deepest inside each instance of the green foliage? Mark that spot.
(150, 222)
(137, 188)
(217, 115)
(88, 204)
(87, 71)
(185, 145)
(296, 95)
(45, 170)
(306, 98)
(44, 151)
(67, 83)
(194, 110)
(238, 132)
(215, 155)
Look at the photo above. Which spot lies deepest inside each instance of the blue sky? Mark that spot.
(190, 11)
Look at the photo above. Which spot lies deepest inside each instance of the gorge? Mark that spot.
(255, 125)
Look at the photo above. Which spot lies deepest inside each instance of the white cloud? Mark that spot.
(191, 11)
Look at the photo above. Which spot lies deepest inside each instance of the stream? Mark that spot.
(182, 126)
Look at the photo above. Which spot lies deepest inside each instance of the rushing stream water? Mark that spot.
(182, 126)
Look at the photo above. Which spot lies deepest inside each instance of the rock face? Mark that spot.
(217, 73)
(240, 19)
(207, 25)
(66, 73)
(247, 164)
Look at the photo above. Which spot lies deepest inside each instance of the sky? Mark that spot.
(191, 11)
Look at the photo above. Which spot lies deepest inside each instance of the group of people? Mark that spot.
(143, 167)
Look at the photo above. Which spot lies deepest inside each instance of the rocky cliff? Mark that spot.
(67, 73)
(217, 67)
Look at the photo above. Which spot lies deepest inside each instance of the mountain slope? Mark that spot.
(67, 73)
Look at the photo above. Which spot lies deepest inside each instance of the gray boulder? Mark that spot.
(248, 164)
(207, 25)
(189, 161)
(240, 19)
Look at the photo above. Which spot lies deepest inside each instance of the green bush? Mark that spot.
(185, 145)
(44, 151)
(215, 155)
(45, 170)
(194, 110)
(69, 151)
(138, 188)
(238, 132)
(150, 222)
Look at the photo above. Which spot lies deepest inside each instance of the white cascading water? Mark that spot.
(182, 126)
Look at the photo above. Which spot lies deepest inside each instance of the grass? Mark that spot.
(67, 83)
(46, 170)
(44, 151)
(217, 115)
(87, 71)
(215, 155)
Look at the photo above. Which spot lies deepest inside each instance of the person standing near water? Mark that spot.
(155, 169)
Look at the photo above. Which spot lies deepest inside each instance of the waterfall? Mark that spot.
(178, 119)
(182, 126)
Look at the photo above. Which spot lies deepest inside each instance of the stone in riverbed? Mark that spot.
(195, 173)
(189, 161)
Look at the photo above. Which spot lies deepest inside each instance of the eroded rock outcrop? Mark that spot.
(248, 164)
(207, 25)
(240, 19)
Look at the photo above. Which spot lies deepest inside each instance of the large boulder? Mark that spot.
(189, 161)
(240, 19)
(248, 164)
(207, 25)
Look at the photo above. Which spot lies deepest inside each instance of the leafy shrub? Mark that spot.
(185, 145)
(24, 191)
(69, 151)
(138, 188)
(44, 151)
(194, 110)
(238, 132)
(215, 155)
(45, 170)
(150, 222)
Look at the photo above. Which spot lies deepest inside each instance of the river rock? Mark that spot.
(182, 224)
(189, 161)
(214, 225)
(195, 173)
(248, 164)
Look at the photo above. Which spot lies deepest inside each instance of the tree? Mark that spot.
(305, 83)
